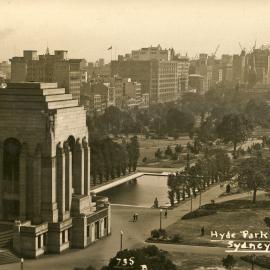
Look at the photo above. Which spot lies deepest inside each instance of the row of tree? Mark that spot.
(213, 168)
(251, 174)
(110, 159)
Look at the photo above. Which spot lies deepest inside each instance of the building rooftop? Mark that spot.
(35, 96)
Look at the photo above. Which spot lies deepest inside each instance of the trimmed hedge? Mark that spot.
(199, 213)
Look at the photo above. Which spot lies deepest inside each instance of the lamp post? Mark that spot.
(22, 260)
(252, 261)
(191, 202)
(160, 219)
(121, 240)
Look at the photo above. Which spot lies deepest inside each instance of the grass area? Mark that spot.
(234, 216)
(164, 163)
(263, 202)
(190, 261)
(148, 147)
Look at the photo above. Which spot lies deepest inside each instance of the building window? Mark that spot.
(45, 239)
(69, 234)
(63, 236)
(39, 241)
(105, 223)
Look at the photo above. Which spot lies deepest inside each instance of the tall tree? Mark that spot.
(234, 128)
(229, 262)
(223, 164)
(253, 174)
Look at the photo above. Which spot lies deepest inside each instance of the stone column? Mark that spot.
(78, 181)
(37, 185)
(68, 175)
(49, 206)
(60, 180)
(22, 183)
(1, 177)
(86, 167)
(109, 219)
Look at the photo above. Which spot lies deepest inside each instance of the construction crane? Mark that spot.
(254, 47)
(215, 52)
(243, 50)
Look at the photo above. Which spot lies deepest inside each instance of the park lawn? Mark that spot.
(148, 147)
(164, 163)
(190, 261)
(234, 216)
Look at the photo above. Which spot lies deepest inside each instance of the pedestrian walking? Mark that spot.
(166, 213)
(134, 217)
(202, 231)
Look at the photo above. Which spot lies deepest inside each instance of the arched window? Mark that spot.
(71, 144)
(11, 173)
(11, 160)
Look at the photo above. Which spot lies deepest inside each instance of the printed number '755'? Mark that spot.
(125, 262)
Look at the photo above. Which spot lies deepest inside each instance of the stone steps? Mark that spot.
(7, 257)
(52, 105)
(32, 85)
(62, 104)
(6, 237)
(34, 98)
(32, 91)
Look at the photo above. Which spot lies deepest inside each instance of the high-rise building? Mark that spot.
(144, 72)
(48, 68)
(226, 64)
(162, 75)
(157, 78)
(183, 65)
(259, 62)
(152, 53)
(5, 69)
(167, 87)
(201, 67)
(238, 67)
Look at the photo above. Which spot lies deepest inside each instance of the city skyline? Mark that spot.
(88, 28)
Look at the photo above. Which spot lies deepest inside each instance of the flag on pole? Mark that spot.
(109, 48)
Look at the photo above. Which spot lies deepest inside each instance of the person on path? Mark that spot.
(202, 231)
(134, 217)
(166, 213)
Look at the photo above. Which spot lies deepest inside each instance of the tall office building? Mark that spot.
(159, 79)
(142, 71)
(55, 67)
(183, 65)
(152, 53)
(167, 87)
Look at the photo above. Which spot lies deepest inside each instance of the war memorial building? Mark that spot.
(45, 171)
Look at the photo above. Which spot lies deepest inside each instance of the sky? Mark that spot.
(87, 28)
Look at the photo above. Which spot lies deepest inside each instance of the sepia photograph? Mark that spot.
(134, 135)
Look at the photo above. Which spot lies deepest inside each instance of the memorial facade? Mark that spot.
(45, 171)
